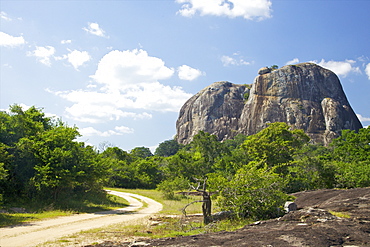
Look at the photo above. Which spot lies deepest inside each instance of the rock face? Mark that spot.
(305, 96)
(215, 109)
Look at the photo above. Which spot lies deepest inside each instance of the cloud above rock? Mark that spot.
(127, 86)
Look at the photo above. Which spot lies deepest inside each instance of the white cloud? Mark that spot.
(293, 61)
(367, 70)
(10, 41)
(66, 41)
(248, 9)
(78, 58)
(188, 73)
(119, 69)
(118, 130)
(130, 84)
(363, 119)
(227, 61)
(6, 65)
(97, 107)
(4, 16)
(95, 29)
(43, 54)
(341, 68)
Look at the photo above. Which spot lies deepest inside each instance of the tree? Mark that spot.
(352, 146)
(180, 164)
(274, 67)
(308, 170)
(167, 148)
(3, 172)
(19, 123)
(253, 192)
(117, 153)
(275, 145)
(141, 152)
(147, 172)
(64, 165)
(43, 160)
(169, 186)
(350, 158)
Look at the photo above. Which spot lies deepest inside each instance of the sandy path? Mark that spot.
(39, 232)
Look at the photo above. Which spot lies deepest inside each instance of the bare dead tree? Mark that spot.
(207, 203)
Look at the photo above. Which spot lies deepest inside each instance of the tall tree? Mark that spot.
(275, 144)
(141, 152)
(167, 148)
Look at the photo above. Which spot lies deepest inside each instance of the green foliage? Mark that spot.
(352, 146)
(169, 186)
(147, 172)
(254, 192)
(274, 67)
(167, 148)
(141, 152)
(246, 96)
(352, 175)
(42, 160)
(206, 151)
(350, 158)
(275, 145)
(309, 171)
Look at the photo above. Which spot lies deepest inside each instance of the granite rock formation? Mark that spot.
(305, 96)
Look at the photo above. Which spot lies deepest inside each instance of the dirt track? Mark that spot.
(38, 232)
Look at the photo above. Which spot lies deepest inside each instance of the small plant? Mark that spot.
(274, 67)
(340, 214)
(246, 96)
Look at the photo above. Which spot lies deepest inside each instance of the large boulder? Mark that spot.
(215, 109)
(305, 96)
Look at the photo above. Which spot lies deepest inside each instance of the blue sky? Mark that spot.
(121, 70)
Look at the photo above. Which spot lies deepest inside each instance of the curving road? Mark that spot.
(35, 233)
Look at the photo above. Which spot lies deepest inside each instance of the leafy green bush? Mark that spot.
(254, 192)
(352, 175)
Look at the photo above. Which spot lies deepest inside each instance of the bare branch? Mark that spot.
(187, 205)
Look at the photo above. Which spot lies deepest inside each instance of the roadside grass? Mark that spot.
(37, 212)
(9, 219)
(170, 207)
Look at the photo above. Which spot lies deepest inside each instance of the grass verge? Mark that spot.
(36, 212)
(169, 206)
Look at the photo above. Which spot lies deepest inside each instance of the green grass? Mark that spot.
(89, 204)
(340, 214)
(169, 206)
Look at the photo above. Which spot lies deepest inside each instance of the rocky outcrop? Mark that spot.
(215, 109)
(306, 96)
